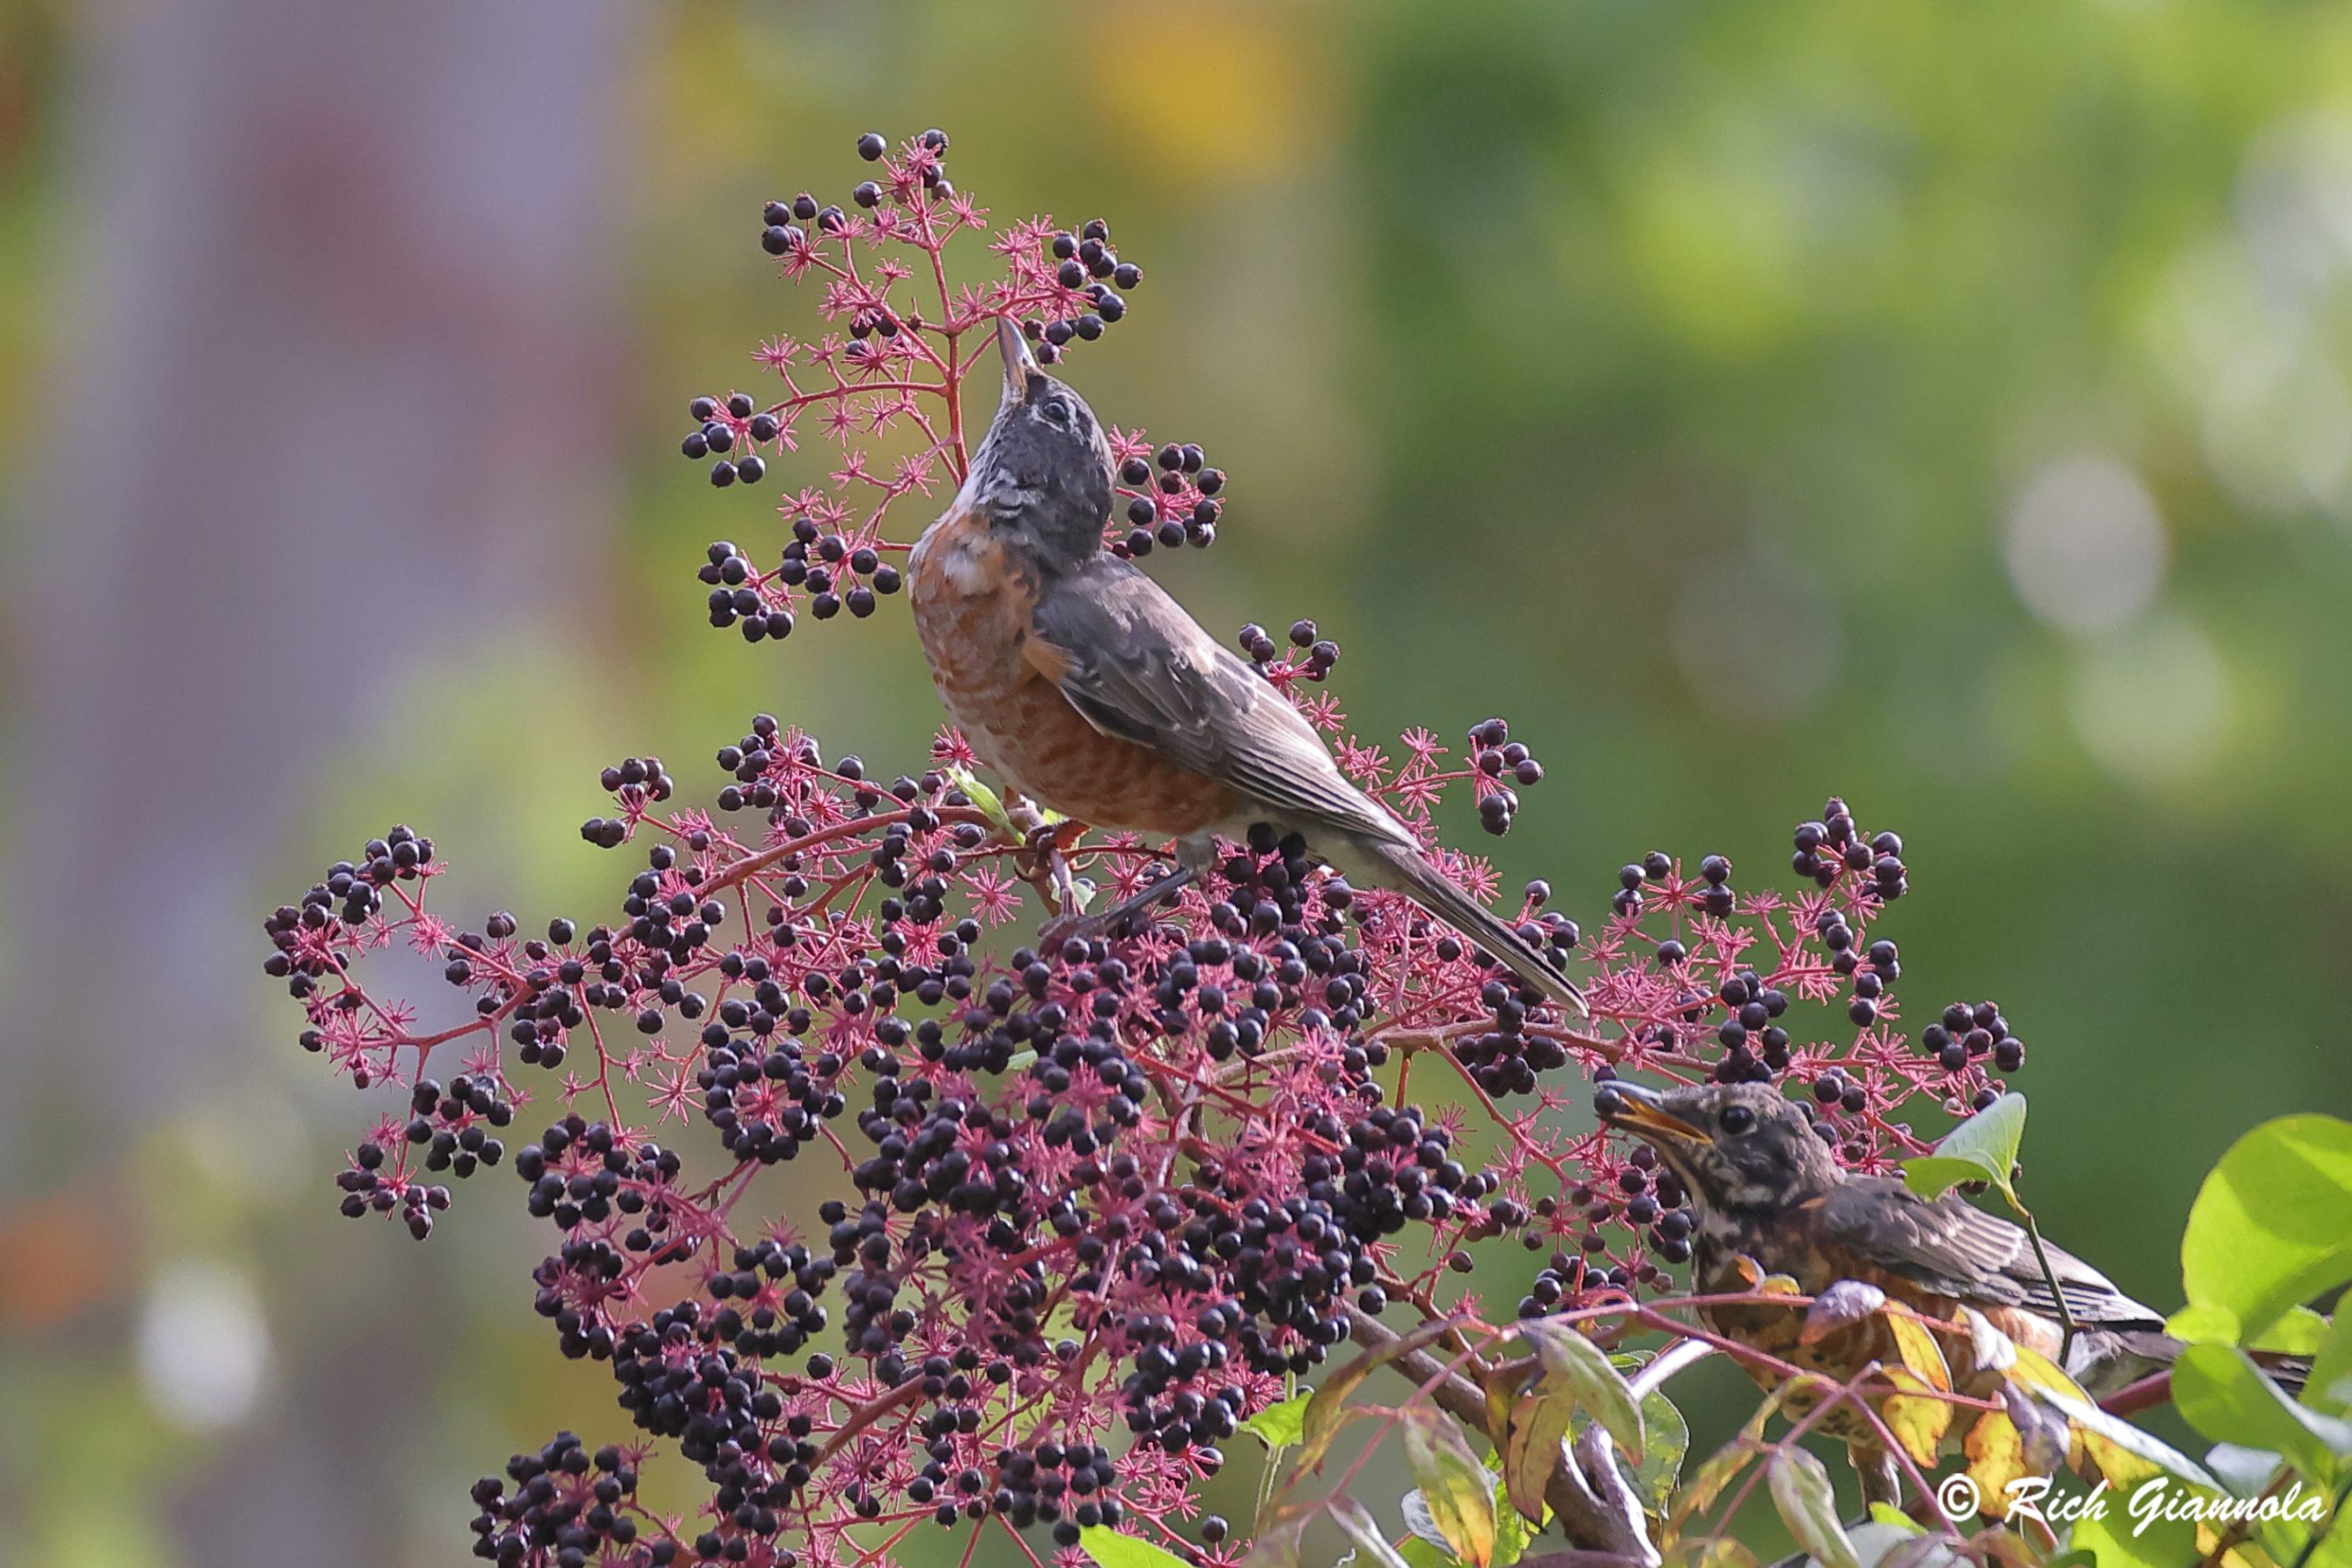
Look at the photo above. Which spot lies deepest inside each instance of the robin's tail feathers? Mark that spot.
(2105, 1360)
(1403, 868)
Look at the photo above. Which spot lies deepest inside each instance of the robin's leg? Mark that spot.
(1106, 923)
(1875, 1468)
(1193, 855)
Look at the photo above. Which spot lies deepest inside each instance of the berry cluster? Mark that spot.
(1313, 659)
(567, 1506)
(889, 370)
(1501, 763)
(1077, 258)
(1171, 497)
(1111, 1192)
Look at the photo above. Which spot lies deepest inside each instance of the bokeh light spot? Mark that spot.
(204, 1351)
(2152, 702)
(2084, 546)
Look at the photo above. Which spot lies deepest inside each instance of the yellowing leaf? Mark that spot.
(1715, 1473)
(1454, 1483)
(1326, 1411)
(1916, 1345)
(2122, 1453)
(1917, 1417)
(2035, 1371)
(1718, 1552)
(1277, 1541)
(1532, 1446)
(1995, 1452)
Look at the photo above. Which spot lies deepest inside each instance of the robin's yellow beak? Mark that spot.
(1020, 364)
(1642, 1112)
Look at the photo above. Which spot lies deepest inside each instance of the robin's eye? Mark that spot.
(1737, 1119)
(1055, 413)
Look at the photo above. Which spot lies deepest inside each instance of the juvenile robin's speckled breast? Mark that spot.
(1789, 1245)
(973, 601)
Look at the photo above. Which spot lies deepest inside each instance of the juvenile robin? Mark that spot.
(1080, 682)
(1767, 1190)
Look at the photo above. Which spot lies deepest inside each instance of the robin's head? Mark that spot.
(1045, 466)
(1735, 1146)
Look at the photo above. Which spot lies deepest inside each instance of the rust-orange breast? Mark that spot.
(973, 601)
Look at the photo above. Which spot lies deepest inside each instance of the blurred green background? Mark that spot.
(1945, 405)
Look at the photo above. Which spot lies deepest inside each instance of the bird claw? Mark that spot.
(1060, 930)
(1073, 924)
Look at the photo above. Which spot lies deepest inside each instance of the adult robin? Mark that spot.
(1771, 1200)
(1077, 679)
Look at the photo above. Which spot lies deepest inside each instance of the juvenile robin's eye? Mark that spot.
(1055, 412)
(1737, 1119)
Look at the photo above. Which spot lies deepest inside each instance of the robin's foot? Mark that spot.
(1072, 925)
(1875, 1468)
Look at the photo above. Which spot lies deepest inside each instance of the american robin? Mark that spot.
(1771, 1200)
(1078, 680)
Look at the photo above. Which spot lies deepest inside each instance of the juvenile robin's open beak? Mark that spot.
(1641, 1112)
(1020, 364)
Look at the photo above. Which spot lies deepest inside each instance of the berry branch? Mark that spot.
(1107, 1200)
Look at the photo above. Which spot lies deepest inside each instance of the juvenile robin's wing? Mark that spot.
(1955, 1249)
(1137, 666)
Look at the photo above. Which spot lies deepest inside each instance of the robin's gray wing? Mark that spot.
(1955, 1249)
(1137, 666)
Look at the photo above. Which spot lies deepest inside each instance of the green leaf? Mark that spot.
(1281, 1426)
(1802, 1492)
(2219, 1391)
(1356, 1522)
(1665, 1439)
(1455, 1486)
(2329, 1387)
(1419, 1551)
(1983, 1148)
(1889, 1515)
(2271, 1228)
(1511, 1536)
(1599, 1387)
(984, 799)
(2301, 1333)
(1114, 1550)
(2113, 1542)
